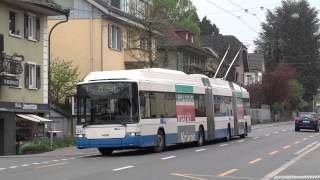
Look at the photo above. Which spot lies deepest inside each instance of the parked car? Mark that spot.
(307, 120)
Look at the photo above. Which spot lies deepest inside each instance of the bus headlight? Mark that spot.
(80, 135)
(133, 134)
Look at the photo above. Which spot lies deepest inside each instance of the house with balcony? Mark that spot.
(102, 35)
(256, 69)
(179, 52)
(23, 69)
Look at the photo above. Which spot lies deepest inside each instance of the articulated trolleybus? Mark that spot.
(154, 108)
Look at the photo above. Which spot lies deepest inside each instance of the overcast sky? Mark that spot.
(245, 28)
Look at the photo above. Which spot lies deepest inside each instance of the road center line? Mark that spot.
(288, 164)
(222, 145)
(273, 152)
(13, 167)
(35, 163)
(267, 135)
(199, 150)
(255, 161)
(1, 169)
(51, 165)
(256, 137)
(187, 176)
(286, 147)
(169, 157)
(305, 148)
(240, 141)
(45, 162)
(122, 168)
(276, 132)
(25, 165)
(297, 142)
(227, 172)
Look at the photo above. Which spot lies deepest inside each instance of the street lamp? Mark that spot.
(67, 14)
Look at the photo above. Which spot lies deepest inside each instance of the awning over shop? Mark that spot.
(34, 118)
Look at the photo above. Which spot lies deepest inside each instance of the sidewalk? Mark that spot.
(261, 126)
(69, 151)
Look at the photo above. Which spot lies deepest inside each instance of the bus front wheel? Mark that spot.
(105, 151)
(160, 142)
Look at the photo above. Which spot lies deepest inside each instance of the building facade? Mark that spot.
(179, 52)
(256, 69)
(220, 44)
(23, 64)
(101, 35)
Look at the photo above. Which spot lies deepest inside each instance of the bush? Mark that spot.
(44, 145)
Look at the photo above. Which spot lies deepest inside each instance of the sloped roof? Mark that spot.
(48, 4)
(173, 40)
(256, 62)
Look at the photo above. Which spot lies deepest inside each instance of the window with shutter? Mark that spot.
(37, 28)
(26, 26)
(1, 43)
(26, 75)
(38, 72)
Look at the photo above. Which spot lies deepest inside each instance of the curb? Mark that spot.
(49, 155)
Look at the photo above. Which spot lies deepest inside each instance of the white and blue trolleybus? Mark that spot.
(154, 108)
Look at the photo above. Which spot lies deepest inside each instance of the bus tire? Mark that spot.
(228, 136)
(105, 151)
(201, 140)
(160, 142)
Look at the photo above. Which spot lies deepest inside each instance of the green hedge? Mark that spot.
(40, 145)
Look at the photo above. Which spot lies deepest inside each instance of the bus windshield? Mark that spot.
(107, 103)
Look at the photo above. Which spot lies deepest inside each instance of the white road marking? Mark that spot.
(222, 145)
(187, 176)
(122, 168)
(56, 160)
(276, 132)
(311, 136)
(297, 177)
(305, 148)
(199, 150)
(45, 162)
(1, 169)
(13, 167)
(283, 130)
(169, 157)
(297, 142)
(255, 161)
(64, 159)
(240, 141)
(256, 137)
(267, 135)
(25, 165)
(51, 165)
(305, 139)
(289, 163)
(72, 158)
(35, 163)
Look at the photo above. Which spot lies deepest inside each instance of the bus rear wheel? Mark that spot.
(105, 151)
(200, 141)
(160, 143)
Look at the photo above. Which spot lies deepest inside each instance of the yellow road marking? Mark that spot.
(40, 167)
(96, 158)
(286, 147)
(228, 172)
(255, 161)
(297, 142)
(273, 152)
(187, 176)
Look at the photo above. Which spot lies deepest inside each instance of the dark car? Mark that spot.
(307, 120)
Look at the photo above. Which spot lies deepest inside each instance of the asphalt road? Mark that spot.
(270, 152)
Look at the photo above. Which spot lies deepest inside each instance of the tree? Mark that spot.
(64, 77)
(155, 21)
(208, 28)
(290, 35)
(296, 94)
